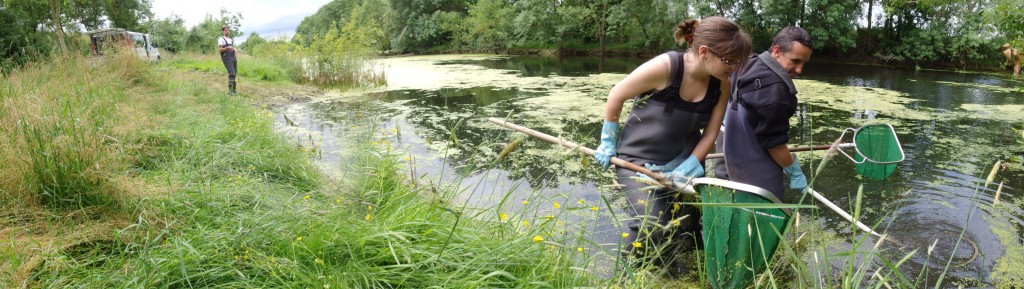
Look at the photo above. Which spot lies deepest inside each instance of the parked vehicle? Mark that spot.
(140, 43)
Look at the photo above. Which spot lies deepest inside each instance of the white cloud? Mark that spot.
(269, 18)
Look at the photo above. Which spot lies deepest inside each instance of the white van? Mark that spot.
(142, 44)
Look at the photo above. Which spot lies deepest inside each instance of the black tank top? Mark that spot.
(662, 125)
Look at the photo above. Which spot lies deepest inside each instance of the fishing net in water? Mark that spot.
(877, 151)
(740, 240)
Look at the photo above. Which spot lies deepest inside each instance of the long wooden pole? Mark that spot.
(793, 149)
(590, 152)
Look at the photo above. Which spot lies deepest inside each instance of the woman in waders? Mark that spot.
(226, 46)
(677, 94)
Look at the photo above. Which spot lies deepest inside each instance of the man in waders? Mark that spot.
(1013, 57)
(226, 46)
(757, 117)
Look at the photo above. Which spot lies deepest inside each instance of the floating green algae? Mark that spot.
(1007, 272)
(994, 88)
(1004, 112)
(887, 103)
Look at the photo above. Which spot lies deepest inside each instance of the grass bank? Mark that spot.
(125, 174)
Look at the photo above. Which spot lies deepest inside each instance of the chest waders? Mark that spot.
(230, 63)
(660, 127)
(746, 159)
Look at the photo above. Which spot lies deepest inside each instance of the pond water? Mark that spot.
(953, 128)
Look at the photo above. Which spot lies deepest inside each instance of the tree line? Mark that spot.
(957, 33)
(34, 29)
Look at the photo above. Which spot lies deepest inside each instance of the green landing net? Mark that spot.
(877, 151)
(739, 241)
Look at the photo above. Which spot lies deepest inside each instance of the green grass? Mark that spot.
(249, 68)
(209, 195)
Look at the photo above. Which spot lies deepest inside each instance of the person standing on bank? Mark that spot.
(226, 47)
(677, 94)
(757, 122)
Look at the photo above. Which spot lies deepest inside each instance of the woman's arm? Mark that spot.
(653, 74)
(707, 139)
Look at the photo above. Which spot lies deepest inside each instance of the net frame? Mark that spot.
(860, 157)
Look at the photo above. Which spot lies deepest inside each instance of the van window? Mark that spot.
(105, 40)
(140, 42)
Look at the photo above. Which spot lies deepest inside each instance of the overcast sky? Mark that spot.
(269, 18)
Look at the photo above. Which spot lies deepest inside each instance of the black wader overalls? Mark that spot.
(660, 127)
(230, 63)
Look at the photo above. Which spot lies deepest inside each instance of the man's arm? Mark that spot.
(780, 154)
(222, 46)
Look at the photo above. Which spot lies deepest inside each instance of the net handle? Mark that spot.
(854, 146)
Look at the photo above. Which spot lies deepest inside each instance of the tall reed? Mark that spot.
(58, 116)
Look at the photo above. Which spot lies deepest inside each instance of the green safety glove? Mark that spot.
(797, 180)
(609, 139)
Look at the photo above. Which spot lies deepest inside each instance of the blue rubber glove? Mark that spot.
(676, 172)
(797, 180)
(609, 139)
(667, 167)
(690, 168)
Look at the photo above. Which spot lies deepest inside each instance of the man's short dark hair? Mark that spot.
(222, 28)
(789, 34)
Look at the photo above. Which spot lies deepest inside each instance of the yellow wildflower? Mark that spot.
(625, 235)
(579, 249)
(637, 245)
(594, 208)
(298, 239)
(526, 223)
(582, 201)
(557, 205)
(538, 238)
(368, 217)
(306, 197)
(525, 202)
(502, 216)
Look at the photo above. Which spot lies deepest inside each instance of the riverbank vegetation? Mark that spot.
(123, 165)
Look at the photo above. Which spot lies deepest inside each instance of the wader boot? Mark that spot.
(231, 87)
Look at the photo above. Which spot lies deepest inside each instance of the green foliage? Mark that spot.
(202, 38)
(830, 23)
(332, 15)
(21, 43)
(254, 40)
(487, 27)
(1006, 16)
(169, 33)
